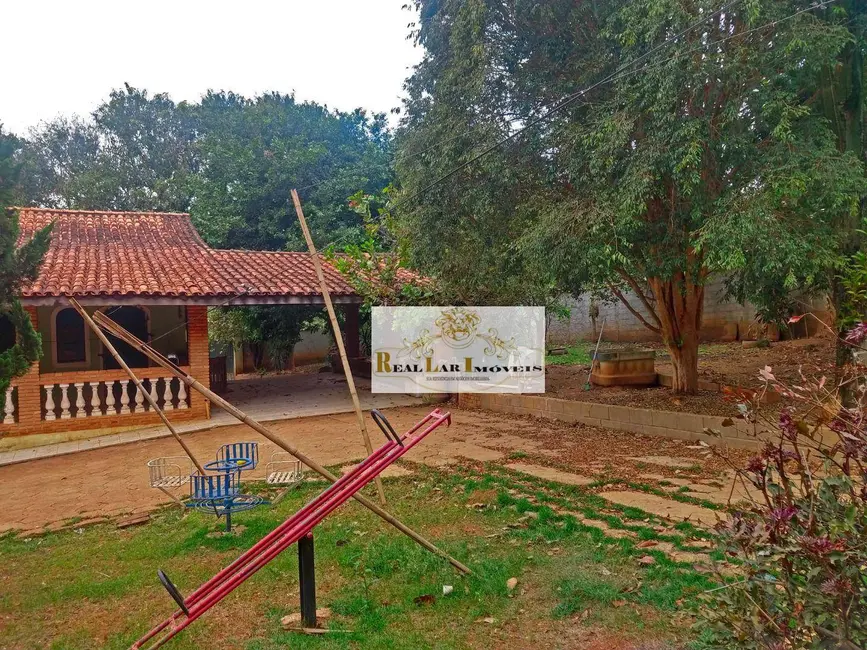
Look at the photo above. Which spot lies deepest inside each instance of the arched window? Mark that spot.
(70, 337)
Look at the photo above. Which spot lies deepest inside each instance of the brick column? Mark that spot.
(350, 331)
(29, 387)
(197, 347)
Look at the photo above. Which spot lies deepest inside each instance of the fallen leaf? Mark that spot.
(424, 599)
(511, 583)
(618, 603)
(648, 543)
(647, 560)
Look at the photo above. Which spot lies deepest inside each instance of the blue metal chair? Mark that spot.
(207, 487)
(220, 492)
(243, 456)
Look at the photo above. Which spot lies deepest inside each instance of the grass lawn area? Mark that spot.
(579, 354)
(97, 587)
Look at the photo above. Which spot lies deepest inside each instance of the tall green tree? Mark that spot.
(228, 159)
(137, 152)
(487, 66)
(17, 266)
(254, 151)
(706, 159)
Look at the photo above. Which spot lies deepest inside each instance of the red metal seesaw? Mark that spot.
(290, 531)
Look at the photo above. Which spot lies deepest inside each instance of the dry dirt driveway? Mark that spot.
(114, 480)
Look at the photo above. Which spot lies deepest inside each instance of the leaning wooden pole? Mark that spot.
(129, 338)
(135, 380)
(338, 337)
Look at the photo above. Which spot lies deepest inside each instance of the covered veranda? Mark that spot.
(153, 273)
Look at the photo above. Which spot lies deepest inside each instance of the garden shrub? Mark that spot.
(802, 537)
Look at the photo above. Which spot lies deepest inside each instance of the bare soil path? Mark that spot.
(109, 482)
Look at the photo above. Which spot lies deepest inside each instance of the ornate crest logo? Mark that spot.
(458, 328)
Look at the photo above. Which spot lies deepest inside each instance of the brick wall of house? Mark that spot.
(29, 393)
(197, 319)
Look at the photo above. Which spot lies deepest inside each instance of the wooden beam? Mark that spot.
(338, 338)
(129, 338)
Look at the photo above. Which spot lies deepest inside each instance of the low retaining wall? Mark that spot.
(668, 424)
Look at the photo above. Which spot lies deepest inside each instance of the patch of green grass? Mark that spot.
(517, 455)
(576, 355)
(100, 587)
(582, 592)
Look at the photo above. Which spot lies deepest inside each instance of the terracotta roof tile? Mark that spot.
(159, 254)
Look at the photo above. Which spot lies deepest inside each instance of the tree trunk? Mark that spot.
(674, 313)
(679, 308)
(684, 360)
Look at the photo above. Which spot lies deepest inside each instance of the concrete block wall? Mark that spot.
(723, 320)
(649, 422)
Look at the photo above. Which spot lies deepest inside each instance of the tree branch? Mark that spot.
(634, 311)
(636, 288)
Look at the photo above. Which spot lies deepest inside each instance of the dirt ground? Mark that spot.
(72, 489)
(725, 363)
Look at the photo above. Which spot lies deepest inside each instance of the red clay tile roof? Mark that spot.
(157, 254)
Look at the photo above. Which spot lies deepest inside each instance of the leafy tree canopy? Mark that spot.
(17, 266)
(253, 152)
(229, 160)
(706, 156)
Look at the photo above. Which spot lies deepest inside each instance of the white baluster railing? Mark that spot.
(61, 402)
(167, 394)
(49, 402)
(79, 400)
(153, 392)
(9, 405)
(64, 402)
(182, 395)
(124, 396)
(139, 400)
(95, 406)
(110, 408)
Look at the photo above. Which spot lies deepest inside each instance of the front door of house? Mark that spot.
(135, 321)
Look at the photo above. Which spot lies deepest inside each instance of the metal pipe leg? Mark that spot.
(307, 580)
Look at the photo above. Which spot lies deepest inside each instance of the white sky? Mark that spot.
(64, 57)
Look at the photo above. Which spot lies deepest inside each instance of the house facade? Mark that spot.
(153, 274)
